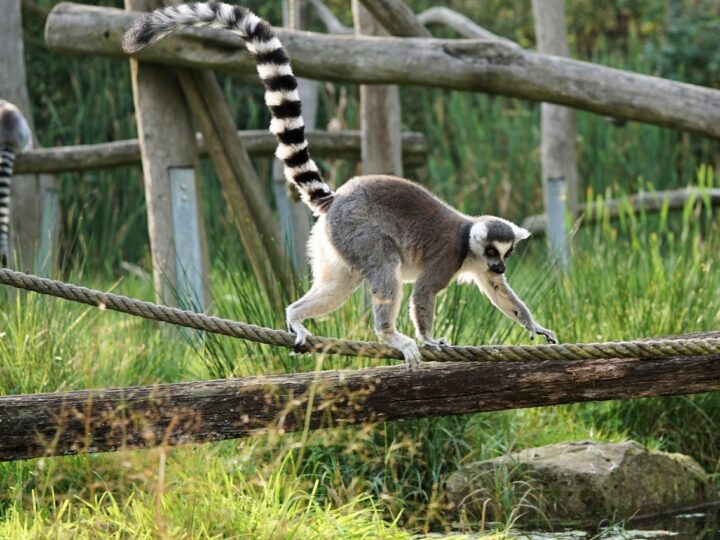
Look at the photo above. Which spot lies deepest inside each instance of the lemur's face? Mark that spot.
(493, 240)
(495, 254)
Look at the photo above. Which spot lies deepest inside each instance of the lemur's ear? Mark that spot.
(520, 233)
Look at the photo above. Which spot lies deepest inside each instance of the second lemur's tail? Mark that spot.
(7, 160)
(15, 138)
(273, 66)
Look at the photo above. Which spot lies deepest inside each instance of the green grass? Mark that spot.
(631, 278)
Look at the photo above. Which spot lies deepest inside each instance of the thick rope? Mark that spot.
(661, 348)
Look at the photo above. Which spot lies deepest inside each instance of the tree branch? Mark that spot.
(331, 22)
(460, 23)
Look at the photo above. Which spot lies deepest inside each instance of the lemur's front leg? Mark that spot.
(422, 311)
(387, 294)
(496, 287)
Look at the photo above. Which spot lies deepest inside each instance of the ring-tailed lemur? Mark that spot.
(15, 138)
(383, 229)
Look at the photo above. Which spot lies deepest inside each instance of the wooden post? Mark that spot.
(557, 123)
(295, 218)
(30, 193)
(241, 186)
(167, 143)
(379, 111)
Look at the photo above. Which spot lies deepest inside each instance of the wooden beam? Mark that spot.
(477, 65)
(640, 202)
(258, 143)
(167, 414)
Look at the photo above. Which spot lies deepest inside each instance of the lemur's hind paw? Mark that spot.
(412, 356)
(301, 335)
(436, 344)
(407, 346)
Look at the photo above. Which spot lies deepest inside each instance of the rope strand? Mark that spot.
(659, 348)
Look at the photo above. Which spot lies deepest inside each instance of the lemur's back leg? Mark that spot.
(333, 283)
(326, 295)
(386, 286)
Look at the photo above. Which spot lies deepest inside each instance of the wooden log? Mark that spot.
(158, 98)
(167, 414)
(477, 65)
(258, 143)
(380, 116)
(30, 228)
(241, 187)
(640, 202)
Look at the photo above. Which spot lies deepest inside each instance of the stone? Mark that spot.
(579, 483)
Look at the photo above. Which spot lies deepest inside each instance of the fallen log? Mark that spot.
(259, 143)
(168, 414)
(478, 65)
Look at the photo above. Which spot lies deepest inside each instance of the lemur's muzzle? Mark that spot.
(498, 268)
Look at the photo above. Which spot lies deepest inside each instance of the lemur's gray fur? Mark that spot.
(15, 138)
(381, 229)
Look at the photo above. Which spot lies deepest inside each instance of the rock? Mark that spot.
(579, 483)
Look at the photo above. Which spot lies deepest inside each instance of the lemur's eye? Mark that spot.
(509, 252)
(491, 252)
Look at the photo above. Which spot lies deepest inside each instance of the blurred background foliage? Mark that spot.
(484, 150)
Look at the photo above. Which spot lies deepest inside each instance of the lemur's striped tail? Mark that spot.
(7, 160)
(273, 66)
(15, 138)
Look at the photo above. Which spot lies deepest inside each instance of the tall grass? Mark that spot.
(629, 279)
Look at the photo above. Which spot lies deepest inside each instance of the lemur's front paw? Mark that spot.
(435, 344)
(301, 335)
(535, 328)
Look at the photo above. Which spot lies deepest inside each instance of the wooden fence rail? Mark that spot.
(259, 143)
(145, 416)
(650, 202)
(478, 65)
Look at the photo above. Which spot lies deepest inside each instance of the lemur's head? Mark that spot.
(493, 239)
